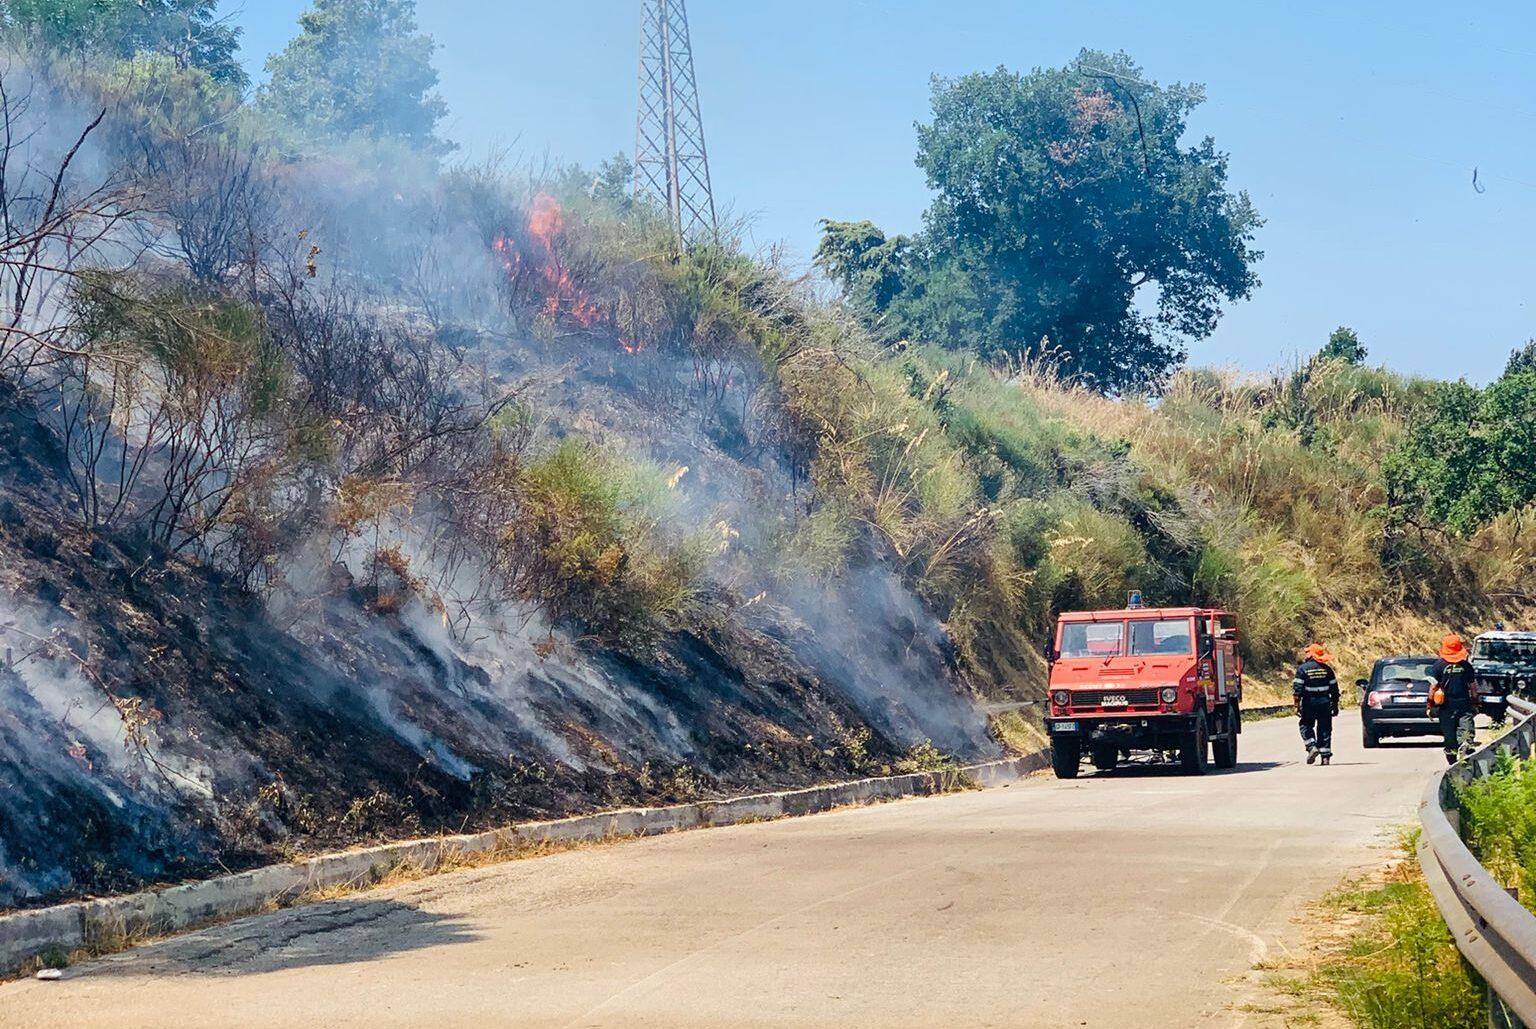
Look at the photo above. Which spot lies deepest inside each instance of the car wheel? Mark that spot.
(1225, 750)
(1066, 756)
(1105, 756)
(1368, 737)
(1193, 753)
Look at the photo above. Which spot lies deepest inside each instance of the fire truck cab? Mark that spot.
(1144, 679)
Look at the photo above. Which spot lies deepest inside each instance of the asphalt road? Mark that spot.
(1142, 898)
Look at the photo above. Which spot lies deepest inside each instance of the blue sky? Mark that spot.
(1355, 127)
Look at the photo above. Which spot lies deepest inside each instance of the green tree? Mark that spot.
(358, 68)
(1344, 345)
(190, 32)
(614, 182)
(1523, 359)
(1470, 458)
(1066, 208)
(872, 269)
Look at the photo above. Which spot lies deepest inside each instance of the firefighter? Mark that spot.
(1316, 692)
(1453, 697)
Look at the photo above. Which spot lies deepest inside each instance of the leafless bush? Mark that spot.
(171, 411)
(214, 192)
(399, 402)
(51, 225)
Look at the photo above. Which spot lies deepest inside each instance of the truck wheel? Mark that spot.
(1225, 750)
(1066, 755)
(1105, 756)
(1192, 754)
(1368, 737)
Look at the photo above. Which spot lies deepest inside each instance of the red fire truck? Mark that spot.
(1144, 679)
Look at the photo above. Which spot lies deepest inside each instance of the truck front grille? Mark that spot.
(1094, 699)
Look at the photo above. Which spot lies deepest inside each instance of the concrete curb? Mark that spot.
(106, 922)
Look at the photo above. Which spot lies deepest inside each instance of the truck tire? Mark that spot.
(1193, 751)
(1066, 755)
(1225, 750)
(1105, 756)
(1368, 738)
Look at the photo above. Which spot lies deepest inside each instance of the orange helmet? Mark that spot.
(1319, 653)
(1452, 649)
(1437, 697)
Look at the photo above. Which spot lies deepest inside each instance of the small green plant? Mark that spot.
(924, 757)
(54, 957)
(854, 740)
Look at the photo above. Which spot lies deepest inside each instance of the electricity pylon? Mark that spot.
(671, 163)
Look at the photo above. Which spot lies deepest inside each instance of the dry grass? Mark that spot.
(1018, 735)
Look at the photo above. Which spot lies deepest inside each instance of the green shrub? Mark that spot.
(587, 538)
(1402, 967)
(1498, 821)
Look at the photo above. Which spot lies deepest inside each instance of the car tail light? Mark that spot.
(1373, 699)
(1170, 694)
(1061, 698)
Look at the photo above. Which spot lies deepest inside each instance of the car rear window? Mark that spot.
(1093, 639)
(1405, 671)
(1162, 636)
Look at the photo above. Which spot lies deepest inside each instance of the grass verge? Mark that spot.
(1379, 956)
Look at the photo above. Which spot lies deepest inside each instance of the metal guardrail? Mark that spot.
(1493, 931)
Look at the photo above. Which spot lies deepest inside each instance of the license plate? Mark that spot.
(1065, 726)
(1115, 700)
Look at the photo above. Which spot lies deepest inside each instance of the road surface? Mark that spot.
(1138, 899)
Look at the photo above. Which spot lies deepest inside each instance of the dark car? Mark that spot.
(1506, 665)
(1393, 700)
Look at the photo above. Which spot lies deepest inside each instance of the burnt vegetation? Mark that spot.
(349, 491)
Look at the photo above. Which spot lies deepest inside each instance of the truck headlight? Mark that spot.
(1061, 698)
(1170, 694)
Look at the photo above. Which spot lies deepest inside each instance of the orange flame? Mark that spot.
(563, 298)
(546, 224)
(546, 220)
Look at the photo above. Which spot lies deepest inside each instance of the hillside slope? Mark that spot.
(381, 498)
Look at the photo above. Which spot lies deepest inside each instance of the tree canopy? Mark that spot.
(188, 31)
(359, 68)
(1069, 222)
(1471, 457)
(1522, 359)
(1344, 345)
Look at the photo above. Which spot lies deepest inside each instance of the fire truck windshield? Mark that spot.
(1093, 639)
(1162, 636)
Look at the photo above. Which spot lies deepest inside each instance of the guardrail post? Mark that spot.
(1499, 1016)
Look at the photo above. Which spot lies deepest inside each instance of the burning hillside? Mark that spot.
(332, 516)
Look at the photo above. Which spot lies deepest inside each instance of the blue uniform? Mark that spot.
(1316, 687)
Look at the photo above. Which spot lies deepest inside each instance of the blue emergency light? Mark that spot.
(1134, 601)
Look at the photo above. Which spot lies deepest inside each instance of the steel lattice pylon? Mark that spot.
(671, 162)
